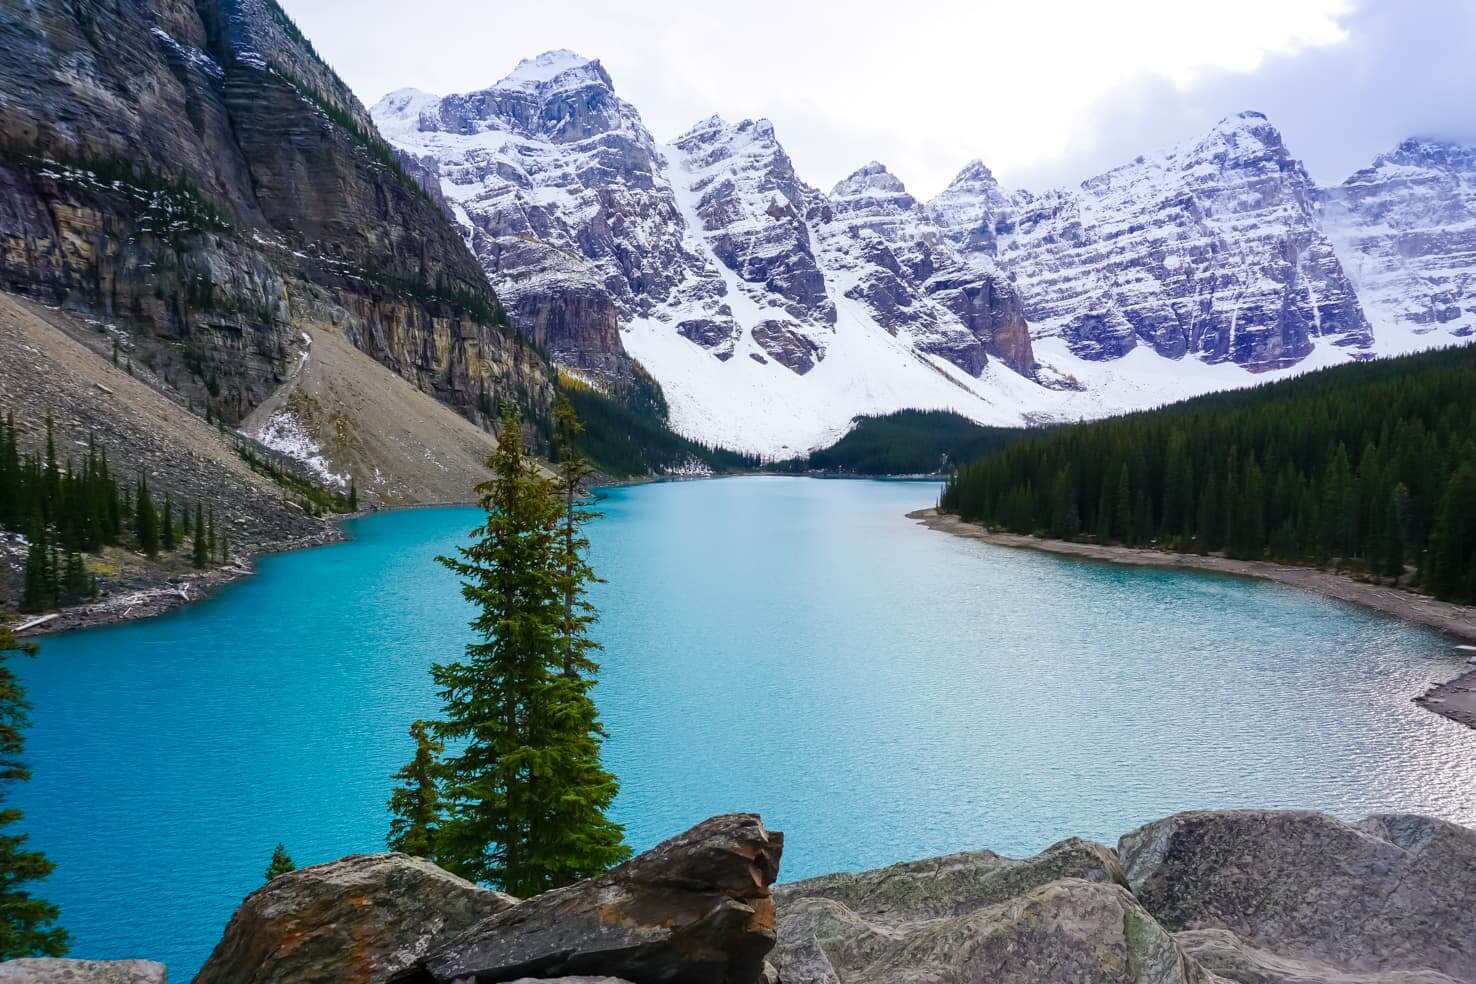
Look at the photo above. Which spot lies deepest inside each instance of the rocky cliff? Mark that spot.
(193, 172)
(1198, 898)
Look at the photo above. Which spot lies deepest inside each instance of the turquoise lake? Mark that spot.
(878, 691)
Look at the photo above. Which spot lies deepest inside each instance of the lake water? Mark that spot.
(876, 690)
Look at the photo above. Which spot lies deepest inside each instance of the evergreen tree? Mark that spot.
(37, 592)
(1396, 532)
(210, 542)
(280, 864)
(1123, 517)
(146, 521)
(27, 923)
(524, 795)
(353, 496)
(166, 525)
(200, 552)
(415, 804)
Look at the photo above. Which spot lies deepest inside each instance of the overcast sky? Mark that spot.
(1045, 92)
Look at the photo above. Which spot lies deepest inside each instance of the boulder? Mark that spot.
(974, 916)
(695, 909)
(46, 970)
(1071, 930)
(360, 919)
(955, 884)
(1392, 893)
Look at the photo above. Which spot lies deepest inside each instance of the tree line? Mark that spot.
(907, 442)
(67, 510)
(1369, 467)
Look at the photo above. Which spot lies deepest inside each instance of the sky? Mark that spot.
(1045, 92)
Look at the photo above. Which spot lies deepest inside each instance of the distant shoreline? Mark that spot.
(1455, 699)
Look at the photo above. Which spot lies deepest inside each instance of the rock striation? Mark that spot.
(191, 170)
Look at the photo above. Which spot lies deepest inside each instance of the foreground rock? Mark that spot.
(361, 919)
(1199, 898)
(1064, 915)
(49, 971)
(1249, 897)
(1391, 893)
(695, 909)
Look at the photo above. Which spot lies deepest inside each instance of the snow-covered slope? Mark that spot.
(1405, 229)
(773, 313)
(1212, 251)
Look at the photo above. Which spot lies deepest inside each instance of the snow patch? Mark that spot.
(285, 434)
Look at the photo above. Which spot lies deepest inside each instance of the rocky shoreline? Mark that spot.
(1250, 897)
(166, 593)
(1454, 699)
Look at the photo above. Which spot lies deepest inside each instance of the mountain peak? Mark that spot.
(870, 177)
(975, 172)
(539, 71)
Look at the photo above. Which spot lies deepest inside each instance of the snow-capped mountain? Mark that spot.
(772, 313)
(1405, 229)
(1213, 251)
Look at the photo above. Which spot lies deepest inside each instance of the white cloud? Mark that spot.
(1039, 90)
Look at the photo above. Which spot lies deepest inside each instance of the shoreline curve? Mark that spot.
(1454, 699)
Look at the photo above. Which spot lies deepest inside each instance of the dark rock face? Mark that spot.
(717, 334)
(192, 170)
(1392, 893)
(361, 919)
(695, 909)
(792, 349)
(41, 970)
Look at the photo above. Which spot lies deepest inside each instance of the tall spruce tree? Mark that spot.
(415, 804)
(525, 794)
(27, 923)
